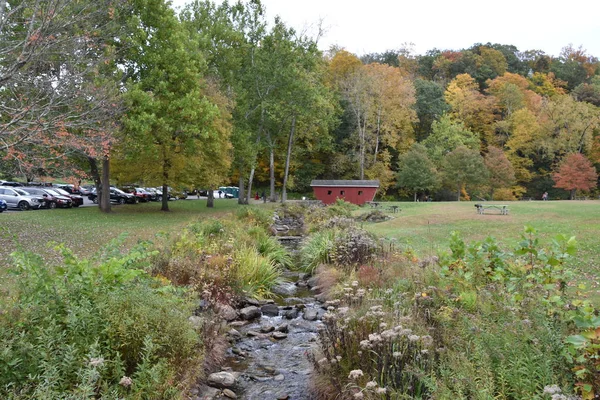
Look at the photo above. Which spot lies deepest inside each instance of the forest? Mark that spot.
(135, 92)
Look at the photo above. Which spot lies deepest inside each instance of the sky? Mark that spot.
(369, 26)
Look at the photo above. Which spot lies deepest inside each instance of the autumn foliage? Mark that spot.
(576, 173)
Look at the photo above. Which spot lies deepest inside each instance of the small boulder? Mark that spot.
(234, 334)
(253, 333)
(270, 309)
(267, 328)
(221, 380)
(282, 328)
(248, 313)
(310, 314)
(227, 312)
(279, 335)
(229, 394)
(279, 377)
(290, 314)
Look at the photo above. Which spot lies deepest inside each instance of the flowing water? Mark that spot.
(271, 368)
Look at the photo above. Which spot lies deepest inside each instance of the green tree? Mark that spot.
(169, 116)
(446, 136)
(463, 167)
(416, 172)
(430, 106)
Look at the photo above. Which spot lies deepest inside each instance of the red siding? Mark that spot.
(329, 194)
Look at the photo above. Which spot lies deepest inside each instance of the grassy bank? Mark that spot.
(85, 230)
(425, 227)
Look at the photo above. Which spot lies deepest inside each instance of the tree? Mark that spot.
(471, 107)
(446, 136)
(463, 167)
(169, 116)
(430, 106)
(576, 172)
(416, 172)
(501, 171)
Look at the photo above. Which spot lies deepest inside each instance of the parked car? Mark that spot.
(77, 200)
(13, 184)
(17, 198)
(116, 196)
(3, 206)
(140, 193)
(155, 195)
(51, 199)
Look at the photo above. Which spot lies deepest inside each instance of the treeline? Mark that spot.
(129, 91)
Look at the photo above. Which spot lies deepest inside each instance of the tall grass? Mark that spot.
(256, 274)
(317, 249)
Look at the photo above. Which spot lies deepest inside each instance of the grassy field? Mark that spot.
(422, 227)
(86, 229)
(426, 227)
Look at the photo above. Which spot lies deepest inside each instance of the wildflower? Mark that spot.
(424, 351)
(125, 381)
(339, 358)
(389, 334)
(365, 344)
(322, 361)
(355, 374)
(380, 390)
(427, 340)
(358, 395)
(330, 308)
(552, 389)
(371, 385)
(375, 338)
(413, 338)
(360, 292)
(354, 283)
(383, 325)
(96, 362)
(397, 354)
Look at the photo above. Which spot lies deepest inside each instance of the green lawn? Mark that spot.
(426, 227)
(86, 229)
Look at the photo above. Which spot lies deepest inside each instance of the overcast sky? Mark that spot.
(366, 26)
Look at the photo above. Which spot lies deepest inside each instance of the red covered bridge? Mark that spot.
(356, 192)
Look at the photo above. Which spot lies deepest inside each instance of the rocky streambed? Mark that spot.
(269, 342)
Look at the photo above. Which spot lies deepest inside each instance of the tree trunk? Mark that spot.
(242, 198)
(287, 161)
(573, 191)
(377, 136)
(272, 174)
(415, 197)
(95, 174)
(250, 182)
(165, 188)
(458, 193)
(210, 200)
(104, 200)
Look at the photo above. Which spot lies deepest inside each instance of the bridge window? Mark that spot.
(342, 192)
(329, 192)
(360, 192)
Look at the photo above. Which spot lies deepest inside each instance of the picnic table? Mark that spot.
(502, 208)
(373, 204)
(394, 209)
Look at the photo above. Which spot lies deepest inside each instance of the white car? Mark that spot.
(17, 198)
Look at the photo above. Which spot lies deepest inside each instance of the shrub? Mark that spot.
(94, 328)
(353, 247)
(256, 275)
(317, 249)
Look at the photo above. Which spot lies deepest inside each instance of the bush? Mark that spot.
(94, 328)
(317, 249)
(256, 275)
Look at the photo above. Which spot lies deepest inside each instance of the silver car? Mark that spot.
(17, 198)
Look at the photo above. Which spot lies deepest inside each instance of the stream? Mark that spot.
(270, 353)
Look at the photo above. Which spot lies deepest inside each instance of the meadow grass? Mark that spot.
(84, 230)
(425, 228)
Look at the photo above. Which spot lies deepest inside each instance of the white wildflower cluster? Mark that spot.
(552, 389)
(125, 381)
(359, 395)
(96, 362)
(355, 374)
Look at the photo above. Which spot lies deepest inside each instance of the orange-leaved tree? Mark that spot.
(576, 172)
